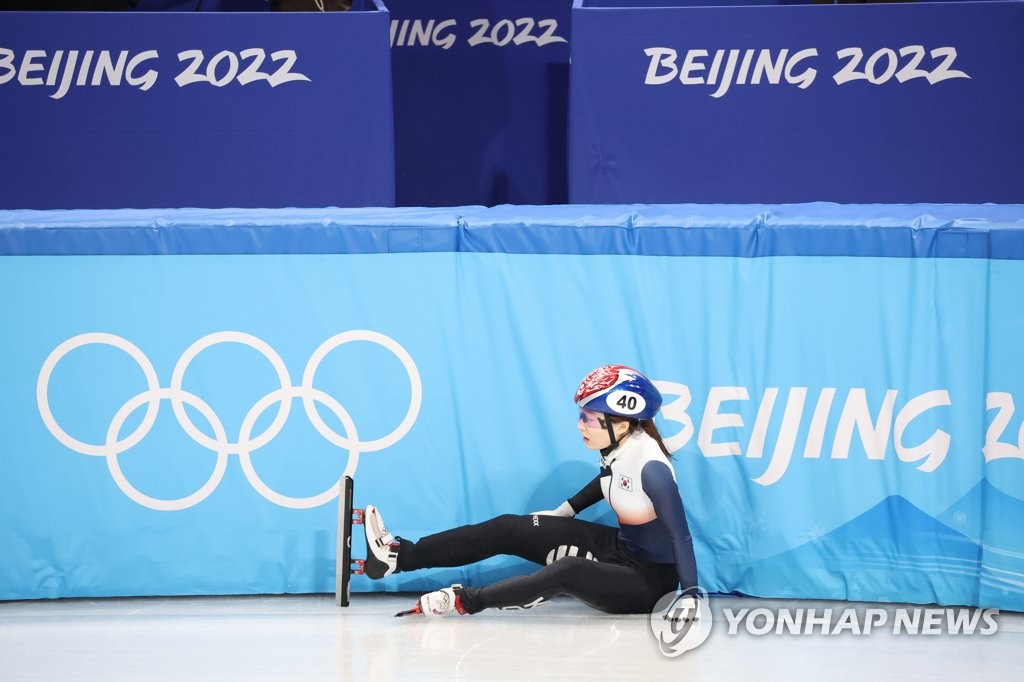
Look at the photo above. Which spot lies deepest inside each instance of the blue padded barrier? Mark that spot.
(182, 389)
(901, 231)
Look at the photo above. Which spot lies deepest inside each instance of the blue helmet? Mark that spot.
(619, 390)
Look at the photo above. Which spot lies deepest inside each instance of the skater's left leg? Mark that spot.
(607, 587)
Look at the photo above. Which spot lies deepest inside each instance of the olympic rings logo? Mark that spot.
(247, 442)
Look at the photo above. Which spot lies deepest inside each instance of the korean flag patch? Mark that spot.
(625, 483)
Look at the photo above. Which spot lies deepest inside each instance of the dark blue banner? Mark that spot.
(104, 110)
(849, 103)
(481, 88)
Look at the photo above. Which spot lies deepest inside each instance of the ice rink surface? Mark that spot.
(306, 637)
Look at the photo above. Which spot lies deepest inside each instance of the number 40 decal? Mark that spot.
(627, 402)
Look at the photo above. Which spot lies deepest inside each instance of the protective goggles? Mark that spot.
(592, 419)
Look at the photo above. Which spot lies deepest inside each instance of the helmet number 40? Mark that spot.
(626, 402)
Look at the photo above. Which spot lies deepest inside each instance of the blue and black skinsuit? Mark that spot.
(617, 570)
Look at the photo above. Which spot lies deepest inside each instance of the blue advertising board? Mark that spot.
(182, 389)
(164, 109)
(481, 90)
(916, 102)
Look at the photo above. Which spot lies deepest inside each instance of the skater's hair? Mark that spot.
(648, 427)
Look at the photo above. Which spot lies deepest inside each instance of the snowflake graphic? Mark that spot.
(815, 533)
(755, 522)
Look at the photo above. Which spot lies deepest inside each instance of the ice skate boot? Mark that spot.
(381, 548)
(444, 602)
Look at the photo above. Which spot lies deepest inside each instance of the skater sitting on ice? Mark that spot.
(617, 570)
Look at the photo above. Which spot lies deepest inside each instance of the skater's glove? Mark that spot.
(565, 509)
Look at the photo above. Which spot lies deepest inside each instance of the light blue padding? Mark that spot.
(748, 230)
(500, 342)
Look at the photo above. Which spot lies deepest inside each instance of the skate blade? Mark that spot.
(414, 611)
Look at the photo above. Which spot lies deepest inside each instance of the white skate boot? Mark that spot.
(444, 602)
(381, 548)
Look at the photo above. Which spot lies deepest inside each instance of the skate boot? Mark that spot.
(381, 548)
(444, 602)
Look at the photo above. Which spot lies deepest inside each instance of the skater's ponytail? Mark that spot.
(648, 427)
(651, 430)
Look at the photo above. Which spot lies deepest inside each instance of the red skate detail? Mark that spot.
(414, 611)
(418, 611)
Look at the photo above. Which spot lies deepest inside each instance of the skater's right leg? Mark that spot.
(536, 538)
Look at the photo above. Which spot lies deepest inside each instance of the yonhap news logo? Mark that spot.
(861, 620)
(681, 623)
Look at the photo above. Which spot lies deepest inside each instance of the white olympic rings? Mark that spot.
(247, 443)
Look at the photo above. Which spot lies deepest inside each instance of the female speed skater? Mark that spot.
(616, 570)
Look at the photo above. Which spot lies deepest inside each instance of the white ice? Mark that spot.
(307, 637)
